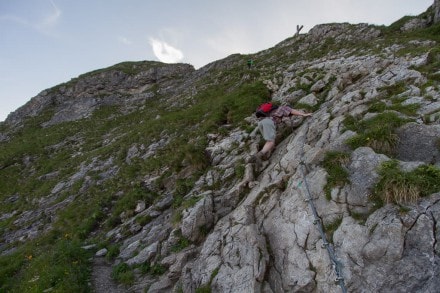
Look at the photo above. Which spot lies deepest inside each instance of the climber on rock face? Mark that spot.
(267, 127)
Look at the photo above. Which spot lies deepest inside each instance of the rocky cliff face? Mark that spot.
(126, 84)
(436, 8)
(368, 161)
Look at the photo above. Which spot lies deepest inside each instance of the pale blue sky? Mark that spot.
(47, 42)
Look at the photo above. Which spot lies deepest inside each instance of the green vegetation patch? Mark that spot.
(430, 69)
(204, 289)
(181, 243)
(394, 102)
(394, 89)
(431, 32)
(332, 227)
(379, 132)
(337, 174)
(380, 107)
(123, 273)
(399, 187)
(240, 169)
(394, 28)
(153, 269)
(44, 268)
(112, 251)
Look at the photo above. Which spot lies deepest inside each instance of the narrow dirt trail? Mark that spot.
(102, 281)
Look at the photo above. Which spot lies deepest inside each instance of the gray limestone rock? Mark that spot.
(239, 230)
(144, 255)
(418, 142)
(198, 218)
(363, 176)
(436, 8)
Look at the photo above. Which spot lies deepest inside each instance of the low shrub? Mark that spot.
(113, 251)
(155, 270)
(122, 273)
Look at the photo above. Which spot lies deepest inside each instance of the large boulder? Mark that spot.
(363, 177)
(393, 251)
(419, 142)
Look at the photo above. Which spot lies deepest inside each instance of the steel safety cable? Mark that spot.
(337, 266)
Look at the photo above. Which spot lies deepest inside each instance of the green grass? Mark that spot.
(181, 244)
(393, 90)
(399, 187)
(393, 31)
(240, 169)
(306, 107)
(409, 110)
(430, 69)
(379, 132)
(190, 202)
(112, 251)
(204, 289)
(394, 28)
(123, 273)
(361, 218)
(332, 227)
(43, 266)
(380, 106)
(155, 269)
(143, 220)
(334, 163)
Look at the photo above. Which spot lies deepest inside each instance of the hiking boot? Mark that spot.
(258, 157)
(266, 156)
(257, 160)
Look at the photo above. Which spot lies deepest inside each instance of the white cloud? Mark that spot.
(50, 20)
(124, 40)
(41, 24)
(165, 52)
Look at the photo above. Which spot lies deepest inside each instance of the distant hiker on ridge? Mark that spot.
(250, 63)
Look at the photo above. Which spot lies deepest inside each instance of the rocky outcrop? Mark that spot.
(126, 84)
(262, 237)
(238, 228)
(419, 143)
(436, 8)
(415, 23)
(377, 251)
(431, 16)
(275, 232)
(343, 32)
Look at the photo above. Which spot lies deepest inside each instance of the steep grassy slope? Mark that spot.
(95, 200)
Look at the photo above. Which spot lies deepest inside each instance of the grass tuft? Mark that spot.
(377, 132)
(399, 187)
(122, 273)
(337, 175)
